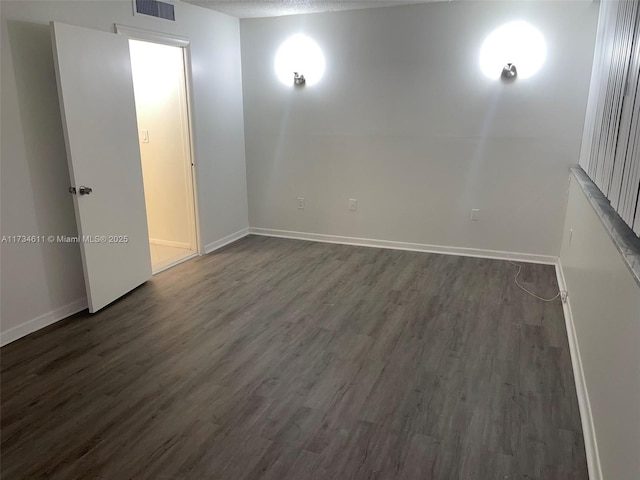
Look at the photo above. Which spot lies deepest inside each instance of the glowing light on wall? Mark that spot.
(300, 54)
(516, 42)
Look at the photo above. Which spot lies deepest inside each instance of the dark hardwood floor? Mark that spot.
(283, 359)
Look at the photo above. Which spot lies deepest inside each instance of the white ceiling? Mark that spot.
(276, 8)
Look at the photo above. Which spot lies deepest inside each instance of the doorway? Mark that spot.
(159, 84)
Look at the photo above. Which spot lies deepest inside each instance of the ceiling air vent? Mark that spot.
(155, 8)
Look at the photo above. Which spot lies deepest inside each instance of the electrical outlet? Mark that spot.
(563, 296)
(475, 214)
(301, 203)
(353, 204)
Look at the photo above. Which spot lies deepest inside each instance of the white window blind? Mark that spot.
(611, 144)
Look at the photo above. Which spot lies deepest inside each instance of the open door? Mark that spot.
(95, 89)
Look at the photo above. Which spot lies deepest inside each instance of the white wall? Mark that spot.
(405, 122)
(161, 110)
(44, 282)
(604, 300)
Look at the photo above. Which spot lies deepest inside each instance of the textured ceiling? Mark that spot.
(272, 8)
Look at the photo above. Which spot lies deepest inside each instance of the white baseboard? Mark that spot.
(414, 247)
(226, 240)
(588, 429)
(170, 243)
(42, 321)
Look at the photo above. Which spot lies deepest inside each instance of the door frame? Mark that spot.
(134, 33)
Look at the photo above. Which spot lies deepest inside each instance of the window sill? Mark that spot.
(627, 243)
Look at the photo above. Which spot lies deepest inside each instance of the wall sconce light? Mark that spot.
(509, 71)
(514, 43)
(298, 79)
(299, 53)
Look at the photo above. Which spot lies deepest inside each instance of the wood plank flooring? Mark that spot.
(283, 359)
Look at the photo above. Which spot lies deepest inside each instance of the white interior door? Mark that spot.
(95, 88)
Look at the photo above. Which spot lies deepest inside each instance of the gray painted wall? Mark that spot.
(44, 278)
(405, 122)
(605, 305)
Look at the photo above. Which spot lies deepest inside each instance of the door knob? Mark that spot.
(85, 190)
